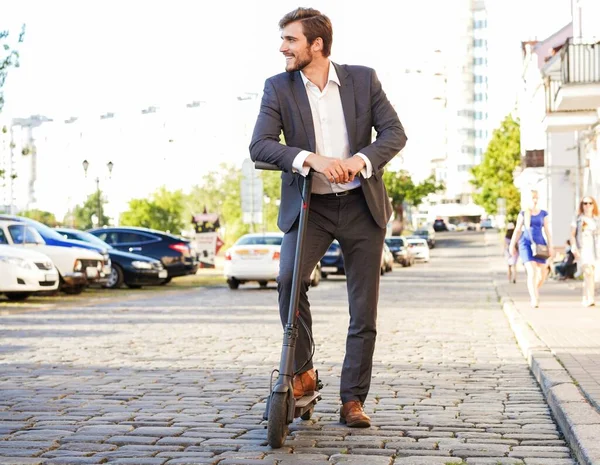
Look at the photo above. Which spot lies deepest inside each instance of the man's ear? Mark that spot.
(317, 45)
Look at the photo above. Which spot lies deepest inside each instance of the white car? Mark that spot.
(24, 272)
(419, 248)
(255, 257)
(77, 267)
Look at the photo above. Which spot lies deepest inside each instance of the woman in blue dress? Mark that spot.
(532, 226)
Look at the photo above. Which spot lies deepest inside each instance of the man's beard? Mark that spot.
(300, 63)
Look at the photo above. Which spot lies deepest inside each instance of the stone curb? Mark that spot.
(578, 420)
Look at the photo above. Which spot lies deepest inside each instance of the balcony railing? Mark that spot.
(552, 86)
(580, 61)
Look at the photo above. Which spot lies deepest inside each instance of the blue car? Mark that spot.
(333, 260)
(51, 237)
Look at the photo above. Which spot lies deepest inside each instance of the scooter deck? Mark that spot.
(305, 401)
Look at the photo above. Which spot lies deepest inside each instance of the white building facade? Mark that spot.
(559, 112)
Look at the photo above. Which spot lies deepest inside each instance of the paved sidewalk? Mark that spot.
(562, 327)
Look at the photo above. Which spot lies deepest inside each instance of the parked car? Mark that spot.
(486, 224)
(255, 257)
(133, 270)
(76, 267)
(174, 252)
(428, 234)
(51, 237)
(399, 248)
(419, 248)
(440, 225)
(387, 258)
(333, 261)
(24, 272)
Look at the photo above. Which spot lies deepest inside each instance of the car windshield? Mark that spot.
(24, 234)
(86, 237)
(45, 231)
(394, 242)
(421, 233)
(260, 240)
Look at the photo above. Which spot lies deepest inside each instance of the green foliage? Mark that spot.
(42, 216)
(494, 176)
(163, 211)
(220, 192)
(82, 214)
(401, 188)
(9, 57)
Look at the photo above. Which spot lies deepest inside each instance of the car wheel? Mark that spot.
(233, 283)
(166, 281)
(17, 296)
(262, 284)
(324, 275)
(134, 286)
(116, 277)
(74, 290)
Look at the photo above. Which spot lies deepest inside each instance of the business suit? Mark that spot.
(358, 221)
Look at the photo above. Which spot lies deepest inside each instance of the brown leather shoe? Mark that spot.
(353, 415)
(305, 384)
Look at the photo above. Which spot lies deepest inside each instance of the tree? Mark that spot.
(9, 57)
(494, 176)
(401, 188)
(82, 214)
(210, 191)
(42, 216)
(164, 211)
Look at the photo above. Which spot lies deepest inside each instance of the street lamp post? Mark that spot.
(109, 165)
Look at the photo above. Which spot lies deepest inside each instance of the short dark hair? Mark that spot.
(314, 25)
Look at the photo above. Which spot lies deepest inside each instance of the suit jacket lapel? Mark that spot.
(304, 107)
(348, 104)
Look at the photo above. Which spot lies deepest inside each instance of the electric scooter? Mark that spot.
(282, 407)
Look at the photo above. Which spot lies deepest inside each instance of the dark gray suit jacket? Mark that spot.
(285, 107)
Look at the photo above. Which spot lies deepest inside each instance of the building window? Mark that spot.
(479, 61)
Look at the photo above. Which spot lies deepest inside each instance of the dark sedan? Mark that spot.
(132, 269)
(174, 252)
(333, 260)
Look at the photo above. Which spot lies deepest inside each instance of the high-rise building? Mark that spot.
(467, 105)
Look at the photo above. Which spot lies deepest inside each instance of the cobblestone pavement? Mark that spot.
(184, 380)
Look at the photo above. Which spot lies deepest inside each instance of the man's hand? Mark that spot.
(354, 165)
(332, 168)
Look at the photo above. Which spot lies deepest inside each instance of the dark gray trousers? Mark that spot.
(348, 220)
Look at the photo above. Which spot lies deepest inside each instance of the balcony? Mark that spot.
(577, 87)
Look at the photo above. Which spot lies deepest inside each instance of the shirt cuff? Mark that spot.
(298, 163)
(367, 171)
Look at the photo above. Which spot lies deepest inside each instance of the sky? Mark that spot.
(87, 58)
(95, 56)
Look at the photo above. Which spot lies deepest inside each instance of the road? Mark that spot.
(182, 378)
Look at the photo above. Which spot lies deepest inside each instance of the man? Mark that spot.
(326, 112)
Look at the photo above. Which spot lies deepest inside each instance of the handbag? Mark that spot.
(540, 251)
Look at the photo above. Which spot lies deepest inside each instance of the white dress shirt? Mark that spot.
(331, 134)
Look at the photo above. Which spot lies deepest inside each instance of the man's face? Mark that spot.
(295, 48)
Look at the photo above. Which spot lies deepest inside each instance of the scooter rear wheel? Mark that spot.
(277, 427)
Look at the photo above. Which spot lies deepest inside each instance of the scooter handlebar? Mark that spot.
(261, 165)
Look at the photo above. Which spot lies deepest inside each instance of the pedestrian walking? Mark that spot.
(585, 240)
(511, 258)
(532, 233)
(327, 112)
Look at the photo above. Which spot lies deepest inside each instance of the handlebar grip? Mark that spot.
(261, 165)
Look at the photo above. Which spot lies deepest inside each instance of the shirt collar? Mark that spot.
(332, 76)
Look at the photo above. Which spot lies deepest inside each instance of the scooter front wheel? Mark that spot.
(277, 427)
